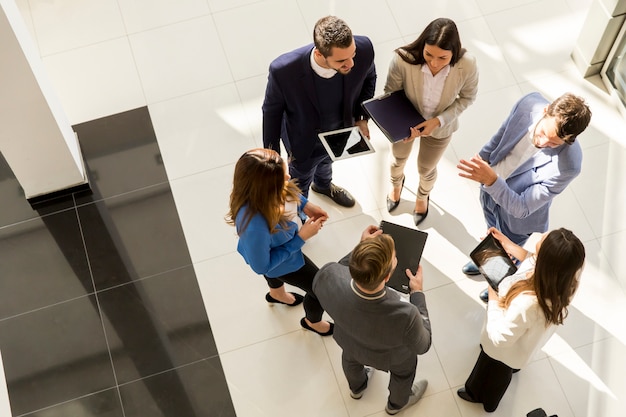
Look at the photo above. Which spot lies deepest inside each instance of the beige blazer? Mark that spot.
(459, 91)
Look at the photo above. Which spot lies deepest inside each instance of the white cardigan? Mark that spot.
(512, 336)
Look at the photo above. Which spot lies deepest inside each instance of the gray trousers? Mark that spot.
(400, 379)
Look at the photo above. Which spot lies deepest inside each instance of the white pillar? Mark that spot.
(5, 405)
(36, 138)
(604, 21)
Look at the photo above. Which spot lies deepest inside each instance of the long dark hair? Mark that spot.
(555, 278)
(259, 184)
(441, 32)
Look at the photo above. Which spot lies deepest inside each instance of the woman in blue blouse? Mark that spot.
(270, 215)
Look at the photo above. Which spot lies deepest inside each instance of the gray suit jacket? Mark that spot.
(380, 331)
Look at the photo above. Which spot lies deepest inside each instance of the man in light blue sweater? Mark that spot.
(530, 160)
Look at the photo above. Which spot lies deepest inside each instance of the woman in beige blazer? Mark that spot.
(441, 80)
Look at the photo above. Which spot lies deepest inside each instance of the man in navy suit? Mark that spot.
(317, 88)
(530, 160)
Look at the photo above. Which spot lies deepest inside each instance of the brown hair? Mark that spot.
(555, 278)
(371, 261)
(331, 32)
(441, 33)
(572, 116)
(259, 183)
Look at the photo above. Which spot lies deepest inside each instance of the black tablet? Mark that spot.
(409, 247)
(492, 261)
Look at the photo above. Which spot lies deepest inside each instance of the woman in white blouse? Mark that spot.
(441, 80)
(524, 313)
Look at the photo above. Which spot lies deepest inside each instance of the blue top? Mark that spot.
(270, 254)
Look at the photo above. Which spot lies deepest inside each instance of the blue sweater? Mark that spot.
(270, 254)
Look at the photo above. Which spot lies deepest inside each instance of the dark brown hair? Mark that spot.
(371, 261)
(554, 280)
(572, 116)
(441, 33)
(331, 32)
(259, 183)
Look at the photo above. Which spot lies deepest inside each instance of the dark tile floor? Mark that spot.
(100, 310)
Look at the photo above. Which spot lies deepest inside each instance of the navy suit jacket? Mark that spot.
(524, 198)
(291, 107)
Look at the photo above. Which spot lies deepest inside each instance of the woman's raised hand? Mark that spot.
(311, 227)
(314, 211)
(510, 247)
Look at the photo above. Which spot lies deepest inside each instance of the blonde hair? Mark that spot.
(372, 260)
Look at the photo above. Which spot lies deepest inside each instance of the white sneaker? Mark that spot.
(418, 390)
(368, 373)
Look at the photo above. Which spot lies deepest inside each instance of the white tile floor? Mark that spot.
(200, 66)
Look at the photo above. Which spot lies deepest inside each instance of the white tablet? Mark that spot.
(345, 143)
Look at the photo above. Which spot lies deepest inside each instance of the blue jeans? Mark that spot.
(491, 211)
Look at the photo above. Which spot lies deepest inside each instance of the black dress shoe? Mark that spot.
(418, 218)
(484, 295)
(463, 394)
(470, 268)
(392, 205)
(337, 194)
(272, 300)
(304, 324)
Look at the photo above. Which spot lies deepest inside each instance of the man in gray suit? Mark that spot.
(373, 325)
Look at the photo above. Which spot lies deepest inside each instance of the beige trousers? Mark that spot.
(430, 152)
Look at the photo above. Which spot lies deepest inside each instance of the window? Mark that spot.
(614, 71)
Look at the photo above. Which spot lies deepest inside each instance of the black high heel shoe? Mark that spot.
(392, 205)
(304, 324)
(297, 296)
(418, 218)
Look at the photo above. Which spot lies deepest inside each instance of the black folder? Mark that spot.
(492, 261)
(394, 114)
(409, 247)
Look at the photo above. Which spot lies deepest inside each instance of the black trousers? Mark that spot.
(488, 381)
(303, 279)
